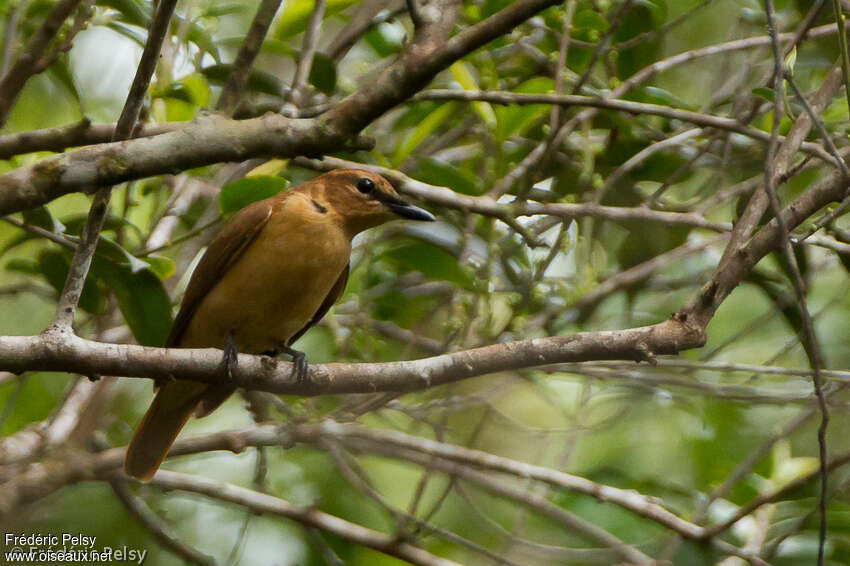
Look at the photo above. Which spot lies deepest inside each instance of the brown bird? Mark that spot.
(273, 271)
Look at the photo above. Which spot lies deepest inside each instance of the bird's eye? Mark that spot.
(365, 185)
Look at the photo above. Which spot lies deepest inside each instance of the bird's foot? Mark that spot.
(299, 362)
(230, 359)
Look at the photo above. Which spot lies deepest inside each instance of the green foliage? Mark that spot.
(293, 20)
(53, 265)
(422, 130)
(323, 74)
(243, 192)
(382, 45)
(143, 302)
(258, 81)
(429, 260)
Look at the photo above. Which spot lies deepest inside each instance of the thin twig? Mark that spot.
(809, 337)
(827, 140)
(310, 516)
(393, 440)
(10, 33)
(143, 514)
(27, 64)
(840, 24)
(230, 95)
(70, 297)
(542, 506)
(705, 120)
(308, 50)
(443, 196)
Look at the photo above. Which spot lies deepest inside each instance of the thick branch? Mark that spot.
(81, 133)
(701, 308)
(55, 352)
(57, 139)
(213, 140)
(207, 140)
(419, 63)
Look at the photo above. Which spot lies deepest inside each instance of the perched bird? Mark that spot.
(272, 272)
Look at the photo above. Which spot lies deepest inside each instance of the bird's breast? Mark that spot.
(275, 287)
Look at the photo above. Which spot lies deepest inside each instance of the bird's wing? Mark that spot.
(221, 254)
(333, 295)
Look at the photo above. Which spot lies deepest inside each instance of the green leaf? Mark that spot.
(54, 264)
(22, 265)
(275, 47)
(142, 299)
(431, 261)
(658, 9)
(224, 9)
(243, 192)
(422, 131)
(107, 249)
(42, 218)
(258, 81)
(655, 95)
(61, 73)
(130, 32)
(412, 115)
(382, 45)
(191, 88)
(463, 75)
(438, 173)
(588, 19)
(791, 60)
(176, 110)
(161, 266)
(514, 119)
(323, 74)
(293, 20)
(74, 224)
(132, 12)
(199, 36)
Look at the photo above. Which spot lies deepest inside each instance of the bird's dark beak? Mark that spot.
(406, 210)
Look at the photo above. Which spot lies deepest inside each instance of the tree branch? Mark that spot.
(308, 50)
(59, 352)
(229, 99)
(213, 139)
(704, 120)
(82, 133)
(76, 278)
(262, 503)
(486, 206)
(627, 499)
(143, 514)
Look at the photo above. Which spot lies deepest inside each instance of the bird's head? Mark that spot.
(363, 199)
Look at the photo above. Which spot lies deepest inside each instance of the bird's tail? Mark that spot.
(169, 411)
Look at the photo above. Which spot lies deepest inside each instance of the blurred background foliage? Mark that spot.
(673, 433)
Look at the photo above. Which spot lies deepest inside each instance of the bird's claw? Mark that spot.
(299, 368)
(230, 359)
(299, 363)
